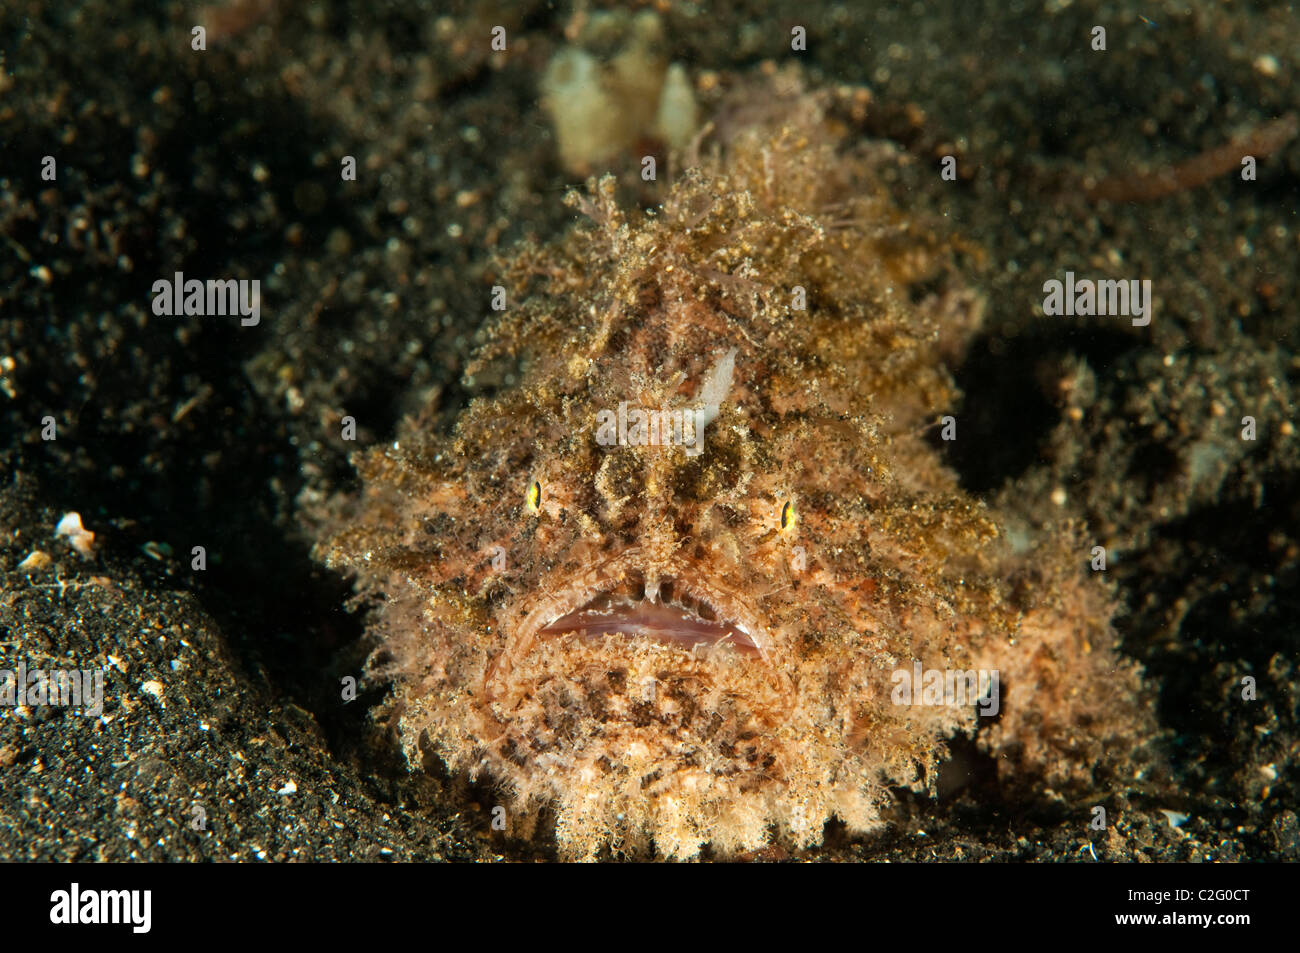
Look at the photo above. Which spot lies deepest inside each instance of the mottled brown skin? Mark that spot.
(881, 559)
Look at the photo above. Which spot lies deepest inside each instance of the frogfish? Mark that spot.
(697, 576)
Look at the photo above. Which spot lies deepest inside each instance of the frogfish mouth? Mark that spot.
(671, 616)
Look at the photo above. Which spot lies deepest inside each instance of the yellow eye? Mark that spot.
(534, 496)
(787, 515)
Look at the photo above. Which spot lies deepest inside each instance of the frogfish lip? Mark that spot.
(684, 621)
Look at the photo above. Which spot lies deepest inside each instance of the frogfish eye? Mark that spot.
(534, 497)
(787, 515)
